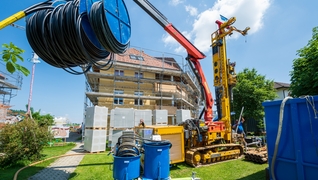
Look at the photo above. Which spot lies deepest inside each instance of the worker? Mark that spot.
(239, 126)
(141, 123)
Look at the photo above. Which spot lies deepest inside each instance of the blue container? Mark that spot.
(157, 160)
(297, 154)
(126, 168)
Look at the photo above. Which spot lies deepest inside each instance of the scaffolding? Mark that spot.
(9, 86)
(159, 80)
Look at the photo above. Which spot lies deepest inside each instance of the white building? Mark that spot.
(60, 121)
(282, 90)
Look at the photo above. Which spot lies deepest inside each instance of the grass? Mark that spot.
(24, 174)
(229, 170)
(101, 165)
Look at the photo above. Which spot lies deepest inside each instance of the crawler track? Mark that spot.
(212, 154)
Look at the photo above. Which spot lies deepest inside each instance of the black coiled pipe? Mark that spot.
(103, 31)
(57, 36)
(127, 149)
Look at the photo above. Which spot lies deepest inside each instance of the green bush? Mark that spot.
(22, 142)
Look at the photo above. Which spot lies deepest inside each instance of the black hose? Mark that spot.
(103, 31)
(127, 149)
(57, 36)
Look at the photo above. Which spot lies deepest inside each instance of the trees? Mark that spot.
(250, 91)
(10, 55)
(23, 141)
(304, 76)
(43, 120)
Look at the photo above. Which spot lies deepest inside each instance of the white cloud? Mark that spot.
(173, 44)
(192, 10)
(248, 13)
(176, 2)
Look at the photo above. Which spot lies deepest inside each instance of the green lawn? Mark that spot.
(101, 166)
(229, 170)
(8, 174)
(94, 166)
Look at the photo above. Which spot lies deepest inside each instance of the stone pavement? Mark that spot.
(63, 167)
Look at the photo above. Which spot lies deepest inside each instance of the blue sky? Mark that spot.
(278, 29)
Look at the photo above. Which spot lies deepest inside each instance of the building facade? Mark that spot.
(139, 80)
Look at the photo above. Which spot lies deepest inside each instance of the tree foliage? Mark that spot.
(43, 120)
(304, 77)
(10, 55)
(250, 91)
(23, 141)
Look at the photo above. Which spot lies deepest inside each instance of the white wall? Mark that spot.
(282, 93)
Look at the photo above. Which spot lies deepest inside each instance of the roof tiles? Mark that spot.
(147, 60)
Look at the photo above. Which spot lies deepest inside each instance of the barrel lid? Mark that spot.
(157, 143)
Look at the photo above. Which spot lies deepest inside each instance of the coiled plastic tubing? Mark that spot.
(66, 34)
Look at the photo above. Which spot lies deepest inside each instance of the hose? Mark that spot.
(102, 29)
(65, 155)
(127, 149)
(280, 126)
(57, 35)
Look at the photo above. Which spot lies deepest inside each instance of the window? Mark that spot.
(135, 57)
(140, 58)
(139, 75)
(119, 73)
(132, 56)
(138, 101)
(118, 100)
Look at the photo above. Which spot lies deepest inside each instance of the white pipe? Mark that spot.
(239, 120)
(279, 132)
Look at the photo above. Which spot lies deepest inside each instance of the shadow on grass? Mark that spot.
(253, 161)
(179, 166)
(73, 175)
(260, 175)
(97, 164)
(36, 173)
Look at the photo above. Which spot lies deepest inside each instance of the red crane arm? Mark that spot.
(194, 55)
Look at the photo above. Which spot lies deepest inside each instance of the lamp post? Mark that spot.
(34, 60)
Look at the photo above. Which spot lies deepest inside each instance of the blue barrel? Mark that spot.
(157, 160)
(295, 157)
(126, 168)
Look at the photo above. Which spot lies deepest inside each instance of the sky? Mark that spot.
(278, 29)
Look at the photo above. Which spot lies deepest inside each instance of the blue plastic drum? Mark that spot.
(126, 168)
(157, 160)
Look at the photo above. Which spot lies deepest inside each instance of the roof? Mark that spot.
(146, 60)
(279, 85)
(169, 60)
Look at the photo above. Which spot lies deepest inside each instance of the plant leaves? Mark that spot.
(14, 58)
(24, 70)
(6, 57)
(10, 56)
(10, 67)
